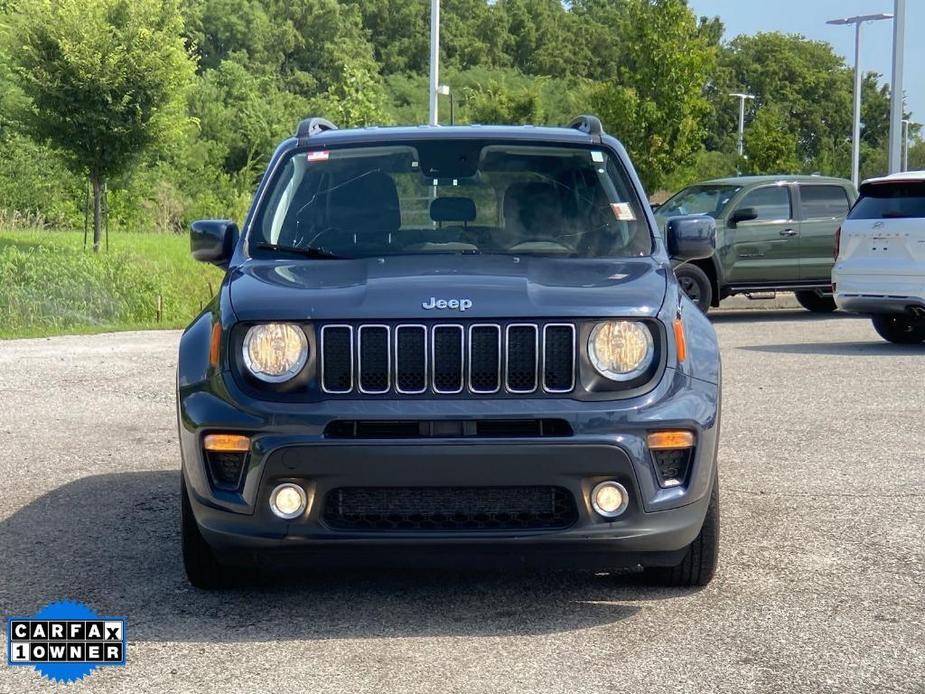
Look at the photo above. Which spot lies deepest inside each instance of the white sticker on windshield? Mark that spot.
(318, 155)
(597, 156)
(622, 211)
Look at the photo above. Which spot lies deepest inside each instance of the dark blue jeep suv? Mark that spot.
(452, 344)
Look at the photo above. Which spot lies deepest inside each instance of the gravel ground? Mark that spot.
(820, 587)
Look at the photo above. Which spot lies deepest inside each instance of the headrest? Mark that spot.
(452, 210)
(532, 203)
(366, 203)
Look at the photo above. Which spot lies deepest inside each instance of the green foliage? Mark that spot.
(494, 104)
(770, 148)
(35, 183)
(105, 78)
(655, 103)
(707, 164)
(805, 80)
(181, 102)
(51, 287)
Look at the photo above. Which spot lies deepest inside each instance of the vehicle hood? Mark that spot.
(398, 287)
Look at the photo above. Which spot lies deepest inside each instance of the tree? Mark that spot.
(105, 79)
(806, 80)
(770, 148)
(496, 103)
(655, 103)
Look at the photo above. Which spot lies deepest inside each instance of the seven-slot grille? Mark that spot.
(448, 358)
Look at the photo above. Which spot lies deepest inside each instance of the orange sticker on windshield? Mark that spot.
(622, 211)
(321, 155)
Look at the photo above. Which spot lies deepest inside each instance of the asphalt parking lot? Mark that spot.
(821, 586)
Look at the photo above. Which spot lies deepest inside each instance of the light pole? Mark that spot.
(434, 57)
(856, 127)
(742, 97)
(896, 88)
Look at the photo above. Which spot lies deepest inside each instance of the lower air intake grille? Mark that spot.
(460, 509)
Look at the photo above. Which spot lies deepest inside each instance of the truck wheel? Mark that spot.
(699, 563)
(900, 329)
(202, 569)
(696, 285)
(815, 302)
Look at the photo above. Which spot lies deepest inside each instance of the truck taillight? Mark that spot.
(837, 245)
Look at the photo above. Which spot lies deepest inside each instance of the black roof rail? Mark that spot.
(588, 124)
(313, 126)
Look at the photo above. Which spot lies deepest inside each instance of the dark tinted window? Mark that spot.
(772, 203)
(824, 201)
(453, 197)
(704, 199)
(890, 200)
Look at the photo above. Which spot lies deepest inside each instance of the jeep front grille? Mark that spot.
(448, 358)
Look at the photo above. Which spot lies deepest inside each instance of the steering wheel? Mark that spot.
(314, 242)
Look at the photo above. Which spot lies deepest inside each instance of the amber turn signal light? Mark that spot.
(665, 440)
(226, 443)
(215, 344)
(680, 340)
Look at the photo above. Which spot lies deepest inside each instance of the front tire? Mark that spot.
(696, 284)
(699, 563)
(899, 329)
(816, 302)
(202, 569)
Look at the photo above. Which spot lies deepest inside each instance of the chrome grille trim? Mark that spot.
(330, 327)
(388, 358)
(497, 329)
(421, 358)
(397, 381)
(462, 358)
(507, 357)
(542, 357)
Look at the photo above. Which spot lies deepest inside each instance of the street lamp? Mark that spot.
(742, 97)
(856, 129)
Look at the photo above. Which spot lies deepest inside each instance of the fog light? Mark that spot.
(609, 499)
(287, 500)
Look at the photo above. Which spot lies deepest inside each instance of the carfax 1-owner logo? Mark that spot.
(66, 641)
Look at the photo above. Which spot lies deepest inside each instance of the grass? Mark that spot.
(50, 286)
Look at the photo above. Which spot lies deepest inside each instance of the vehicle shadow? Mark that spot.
(112, 541)
(778, 315)
(840, 349)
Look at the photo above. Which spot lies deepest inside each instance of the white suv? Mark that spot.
(880, 257)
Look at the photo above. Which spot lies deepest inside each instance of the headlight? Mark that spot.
(620, 350)
(275, 352)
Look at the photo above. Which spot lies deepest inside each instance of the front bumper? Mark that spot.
(608, 442)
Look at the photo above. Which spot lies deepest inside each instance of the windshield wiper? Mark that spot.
(307, 251)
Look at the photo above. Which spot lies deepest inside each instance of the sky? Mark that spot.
(808, 17)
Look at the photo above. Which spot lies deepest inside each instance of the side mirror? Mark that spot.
(213, 241)
(743, 214)
(692, 237)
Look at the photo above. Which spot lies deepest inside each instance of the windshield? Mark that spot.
(451, 197)
(890, 200)
(702, 199)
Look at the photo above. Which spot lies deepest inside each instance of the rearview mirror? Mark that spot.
(213, 241)
(691, 237)
(743, 214)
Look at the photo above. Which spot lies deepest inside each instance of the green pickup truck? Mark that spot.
(773, 233)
